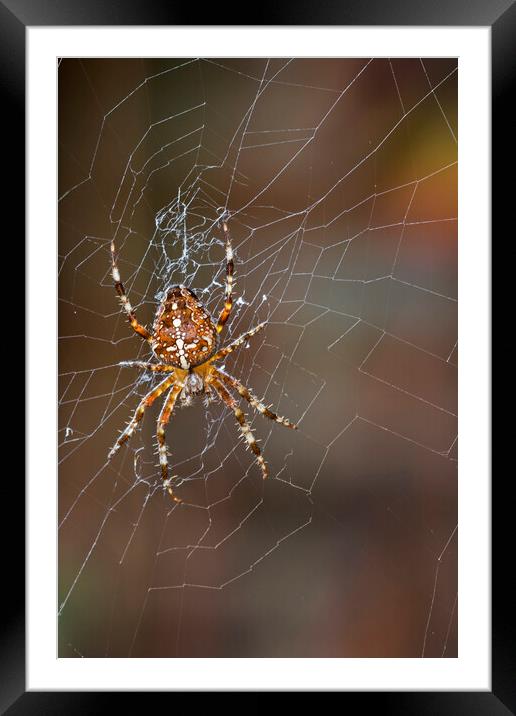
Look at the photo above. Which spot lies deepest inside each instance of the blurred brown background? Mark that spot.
(341, 180)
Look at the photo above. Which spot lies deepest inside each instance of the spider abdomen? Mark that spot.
(184, 334)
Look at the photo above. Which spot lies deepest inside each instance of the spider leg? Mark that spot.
(119, 287)
(228, 294)
(244, 425)
(236, 344)
(146, 402)
(154, 367)
(232, 382)
(163, 419)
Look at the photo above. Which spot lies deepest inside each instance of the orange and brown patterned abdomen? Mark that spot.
(183, 334)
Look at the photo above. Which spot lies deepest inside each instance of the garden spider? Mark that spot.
(185, 340)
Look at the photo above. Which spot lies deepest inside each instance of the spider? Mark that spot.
(185, 340)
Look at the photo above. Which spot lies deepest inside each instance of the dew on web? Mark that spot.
(339, 177)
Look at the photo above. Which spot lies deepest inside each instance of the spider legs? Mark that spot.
(163, 419)
(154, 367)
(146, 402)
(232, 382)
(244, 425)
(236, 344)
(228, 294)
(119, 287)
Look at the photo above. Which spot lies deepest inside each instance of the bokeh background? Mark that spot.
(340, 178)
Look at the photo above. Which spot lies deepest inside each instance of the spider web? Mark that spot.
(340, 180)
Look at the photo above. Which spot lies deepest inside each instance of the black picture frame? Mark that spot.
(15, 16)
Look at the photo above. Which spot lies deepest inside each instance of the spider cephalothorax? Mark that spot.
(185, 340)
